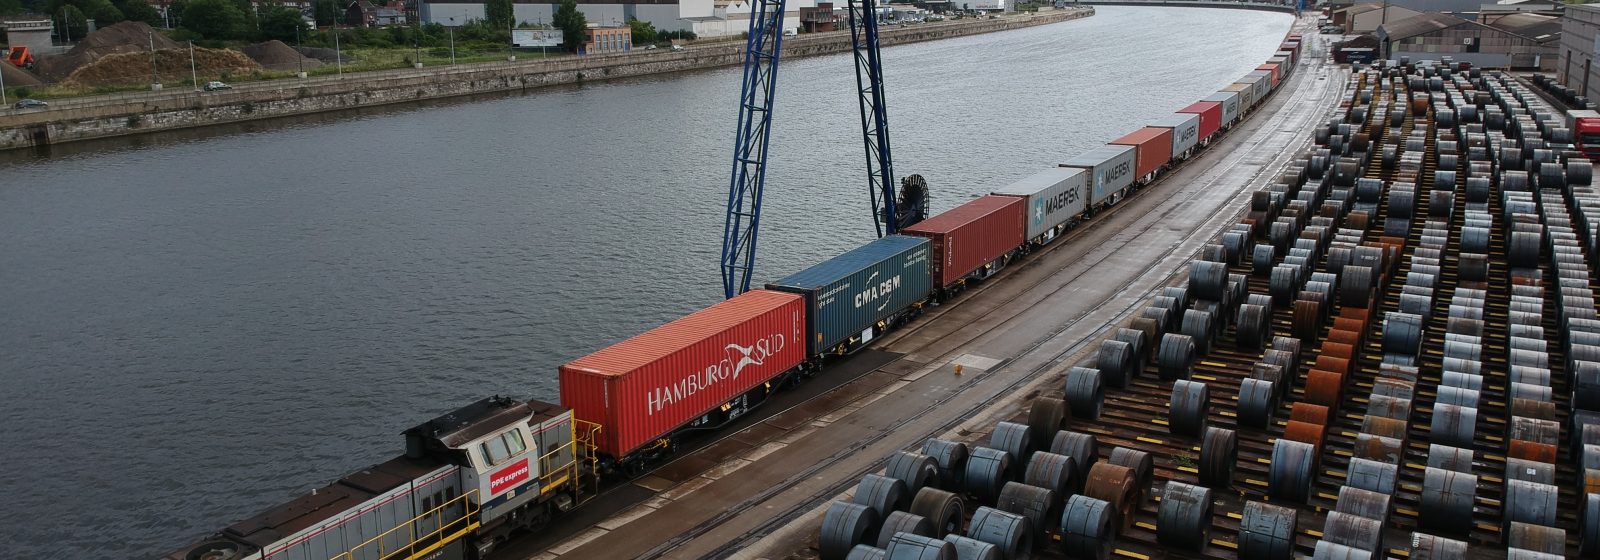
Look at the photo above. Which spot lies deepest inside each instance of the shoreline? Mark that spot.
(142, 113)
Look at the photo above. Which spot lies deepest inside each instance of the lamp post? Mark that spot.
(3, 101)
(155, 80)
(338, 58)
(301, 59)
(452, 31)
(193, 76)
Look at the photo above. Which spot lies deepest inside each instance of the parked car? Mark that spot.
(1332, 30)
(31, 104)
(215, 86)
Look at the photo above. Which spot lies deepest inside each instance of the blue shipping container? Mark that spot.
(847, 295)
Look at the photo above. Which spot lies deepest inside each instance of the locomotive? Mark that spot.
(471, 478)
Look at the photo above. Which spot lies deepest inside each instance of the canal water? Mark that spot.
(194, 329)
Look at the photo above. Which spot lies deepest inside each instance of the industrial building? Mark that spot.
(1357, 19)
(1580, 28)
(706, 18)
(1434, 36)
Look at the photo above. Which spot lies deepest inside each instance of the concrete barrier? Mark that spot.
(147, 112)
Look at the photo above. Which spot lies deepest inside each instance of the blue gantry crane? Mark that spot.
(762, 47)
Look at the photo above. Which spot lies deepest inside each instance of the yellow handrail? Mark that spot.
(447, 531)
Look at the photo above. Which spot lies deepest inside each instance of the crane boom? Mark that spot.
(750, 145)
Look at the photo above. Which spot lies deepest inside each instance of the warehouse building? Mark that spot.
(1435, 36)
(706, 18)
(1358, 19)
(1580, 28)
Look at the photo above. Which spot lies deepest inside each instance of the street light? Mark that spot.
(155, 81)
(452, 31)
(193, 76)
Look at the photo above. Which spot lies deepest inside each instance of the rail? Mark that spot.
(465, 521)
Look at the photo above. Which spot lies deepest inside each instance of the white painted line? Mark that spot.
(627, 516)
(724, 469)
(579, 540)
(765, 449)
(685, 488)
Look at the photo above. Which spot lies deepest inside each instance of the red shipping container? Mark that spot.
(1210, 116)
(640, 389)
(1273, 68)
(1153, 145)
(973, 234)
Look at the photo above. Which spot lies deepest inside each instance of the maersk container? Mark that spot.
(846, 296)
(1110, 168)
(1152, 148)
(1230, 106)
(1247, 95)
(970, 236)
(1272, 71)
(1054, 196)
(641, 389)
(1210, 113)
(1185, 130)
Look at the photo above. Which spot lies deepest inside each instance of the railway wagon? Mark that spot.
(1110, 170)
(1210, 113)
(1185, 129)
(1246, 93)
(972, 241)
(1152, 150)
(697, 372)
(1272, 69)
(1231, 108)
(854, 297)
(1261, 82)
(1054, 199)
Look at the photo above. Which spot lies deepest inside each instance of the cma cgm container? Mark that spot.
(1247, 95)
(1210, 113)
(1054, 197)
(971, 236)
(641, 389)
(1272, 70)
(1152, 148)
(1230, 106)
(1185, 129)
(1110, 170)
(846, 296)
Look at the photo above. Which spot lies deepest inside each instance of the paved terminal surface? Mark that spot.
(758, 492)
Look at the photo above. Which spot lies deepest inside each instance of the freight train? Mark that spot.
(470, 478)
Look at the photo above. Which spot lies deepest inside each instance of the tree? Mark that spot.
(327, 12)
(77, 24)
(282, 23)
(644, 32)
(572, 25)
(214, 19)
(101, 11)
(498, 13)
(140, 10)
(10, 7)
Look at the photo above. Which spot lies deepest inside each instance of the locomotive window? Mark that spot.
(495, 451)
(514, 441)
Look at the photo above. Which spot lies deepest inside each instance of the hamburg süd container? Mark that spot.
(1247, 95)
(1152, 146)
(846, 296)
(1110, 170)
(1185, 131)
(1231, 108)
(1272, 69)
(641, 389)
(1210, 113)
(1054, 197)
(968, 238)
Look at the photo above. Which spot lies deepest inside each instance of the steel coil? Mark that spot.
(1012, 534)
(1324, 387)
(864, 552)
(1179, 294)
(1038, 505)
(1087, 528)
(1529, 502)
(902, 522)
(988, 470)
(1140, 343)
(1141, 463)
(1188, 408)
(1447, 499)
(1396, 381)
(1307, 319)
(914, 469)
(1385, 406)
(1454, 425)
(1355, 287)
(1379, 448)
(1016, 439)
(844, 526)
(1457, 396)
(1051, 471)
(1116, 363)
(1293, 470)
(883, 494)
(1543, 410)
(1429, 547)
(1530, 391)
(1552, 176)
(1520, 554)
(1257, 401)
(1082, 448)
(1589, 531)
(1475, 240)
(1176, 357)
(1385, 427)
(1537, 538)
(952, 459)
(1363, 503)
(1283, 284)
(1353, 531)
(1117, 486)
(1266, 531)
(1046, 416)
(1252, 326)
(906, 546)
(1523, 250)
(1197, 325)
(1329, 550)
(943, 509)
(1374, 476)
(1159, 316)
(1219, 450)
(1084, 393)
(1184, 518)
(1586, 385)
(973, 549)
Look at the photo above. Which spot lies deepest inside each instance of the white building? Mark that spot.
(706, 18)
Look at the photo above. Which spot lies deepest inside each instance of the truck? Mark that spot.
(1585, 127)
(20, 57)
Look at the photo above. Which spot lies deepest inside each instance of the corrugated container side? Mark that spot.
(1185, 130)
(1153, 146)
(967, 237)
(1246, 95)
(1053, 196)
(1210, 113)
(1110, 167)
(1272, 69)
(642, 388)
(1260, 83)
(850, 293)
(1230, 105)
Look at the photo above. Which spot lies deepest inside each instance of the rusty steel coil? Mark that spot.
(1307, 319)
(1379, 448)
(1324, 387)
(1116, 485)
(1384, 427)
(1314, 414)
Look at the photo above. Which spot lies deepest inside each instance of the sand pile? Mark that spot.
(274, 55)
(172, 64)
(124, 37)
(15, 77)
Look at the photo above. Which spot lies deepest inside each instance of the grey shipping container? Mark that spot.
(847, 295)
(1055, 196)
(1262, 80)
(1230, 105)
(1185, 130)
(1111, 169)
(1247, 95)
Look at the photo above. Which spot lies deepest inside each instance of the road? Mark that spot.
(760, 492)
